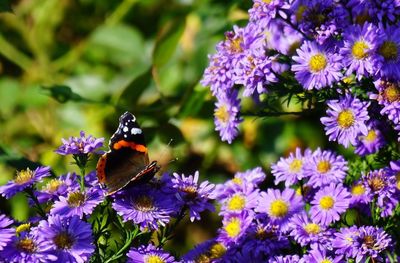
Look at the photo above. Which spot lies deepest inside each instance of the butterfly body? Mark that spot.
(127, 161)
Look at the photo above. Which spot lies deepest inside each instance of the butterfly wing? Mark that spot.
(127, 160)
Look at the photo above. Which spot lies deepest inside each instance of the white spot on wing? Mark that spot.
(125, 129)
(136, 131)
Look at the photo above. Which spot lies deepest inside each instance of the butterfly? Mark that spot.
(127, 160)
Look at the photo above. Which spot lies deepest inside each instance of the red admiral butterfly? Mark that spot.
(127, 160)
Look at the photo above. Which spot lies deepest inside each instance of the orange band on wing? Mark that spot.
(132, 145)
(100, 169)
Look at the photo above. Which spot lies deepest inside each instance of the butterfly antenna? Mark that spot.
(164, 153)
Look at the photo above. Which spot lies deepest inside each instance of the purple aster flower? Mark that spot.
(266, 10)
(210, 250)
(283, 38)
(149, 253)
(234, 227)
(389, 51)
(291, 169)
(27, 247)
(346, 120)
(24, 179)
(382, 186)
(68, 238)
(316, 67)
(346, 242)
(219, 75)
(254, 72)
(145, 206)
(56, 187)
(78, 203)
(227, 116)
(280, 206)
(242, 182)
(395, 169)
(196, 197)
(320, 255)
(321, 19)
(264, 239)
(372, 142)
(329, 203)
(6, 233)
(325, 167)
(306, 232)
(285, 259)
(80, 145)
(360, 194)
(359, 49)
(389, 98)
(372, 242)
(239, 200)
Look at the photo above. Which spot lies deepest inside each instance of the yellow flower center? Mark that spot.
(237, 181)
(325, 261)
(203, 258)
(345, 119)
(191, 191)
(371, 136)
(222, 114)
(323, 166)
(76, 199)
(398, 180)
(359, 50)
(23, 228)
(53, 185)
(295, 166)
(267, 1)
(317, 62)
(236, 203)
(349, 79)
(358, 189)
(279, 208)
(217, 251)
(26, 245)
(369, 241)
(326, 202)
(300, 12)
(63, 240)
(232, 228)
(392, 93)
(154, 259)
(143, 203)
(235, 45)
(388, 50)
(23, 176)
(312, 228)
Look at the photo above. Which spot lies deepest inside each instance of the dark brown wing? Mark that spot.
(116, 169)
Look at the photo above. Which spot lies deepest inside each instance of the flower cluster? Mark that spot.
(74, 216)
(292, 47)
(310, 212)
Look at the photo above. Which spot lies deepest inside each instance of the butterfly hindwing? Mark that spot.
(127, 160)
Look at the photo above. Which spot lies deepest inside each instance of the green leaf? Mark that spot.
(167, 41)
(5, 6)
(63, 93)
(132, 92)
(194, 103)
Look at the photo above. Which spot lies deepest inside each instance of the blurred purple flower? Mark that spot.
(196, 197)
(329, 203)
(60, 186)
(285, 259)
(208, 251)
(80, 145)
(226, 115)
(68, 238)
(315, 67)
(6, 233)
(389, 51)
(320, 255)
(149, 254)
(346, 120)
(24, 179)
(346, 242)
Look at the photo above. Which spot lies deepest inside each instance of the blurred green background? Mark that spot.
(71, 65)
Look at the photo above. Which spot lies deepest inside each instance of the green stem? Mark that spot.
(130, 237)
(14, 55)
(40, 210)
